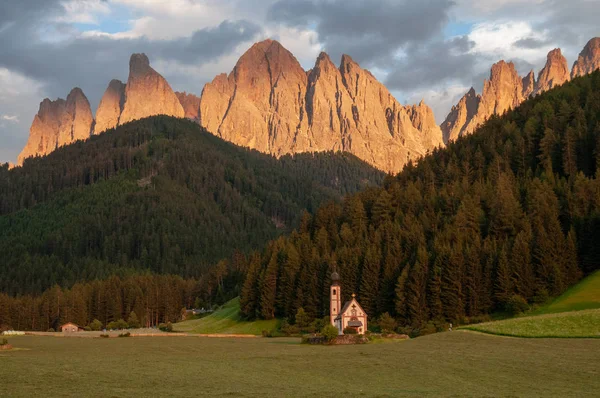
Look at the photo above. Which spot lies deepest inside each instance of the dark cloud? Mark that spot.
(370, 31)
(91, 62)
(531, 43)
(415, 70)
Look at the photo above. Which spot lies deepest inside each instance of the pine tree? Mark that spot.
(572, 270)
(523, 275)
(369, 287)
(249, 294)
(401, 294)
(503, 286)
(268, 288)
(416, 302)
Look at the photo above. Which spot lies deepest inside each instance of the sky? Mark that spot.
(433, 50)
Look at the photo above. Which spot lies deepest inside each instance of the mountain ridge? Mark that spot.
(270, 103)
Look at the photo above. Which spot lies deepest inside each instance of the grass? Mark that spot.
(226, 320)
(583, 296)
(585, 323)
(445, 364)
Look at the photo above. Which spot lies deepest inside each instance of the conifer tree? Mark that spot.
(369, 285)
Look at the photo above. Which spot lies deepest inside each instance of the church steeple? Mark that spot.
(335, 298)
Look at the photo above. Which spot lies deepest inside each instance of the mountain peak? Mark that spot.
(144, 83)
(588, 60)
(139, 63)
(554, 73)
(58, 123)
(347, 63)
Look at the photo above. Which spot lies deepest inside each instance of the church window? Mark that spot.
(335, 292)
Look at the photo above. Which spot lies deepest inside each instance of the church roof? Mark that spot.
(347, 305)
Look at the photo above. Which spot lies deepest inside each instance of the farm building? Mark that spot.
(69, 328)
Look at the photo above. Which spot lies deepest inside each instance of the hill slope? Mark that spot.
(580, 324)
(584, 295)
(160, 194)
(511, 212)
(226, 320)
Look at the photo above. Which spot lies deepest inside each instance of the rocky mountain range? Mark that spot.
(506, 90)
(271, 104)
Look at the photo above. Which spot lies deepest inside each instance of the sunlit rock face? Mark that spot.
(58, 123)
(147, 93)
(554, 73)
(111, 106)
(588, 60)
(269, 103)
(506, 90)
(190, 104)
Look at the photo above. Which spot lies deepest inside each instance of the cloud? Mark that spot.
(431, 49)
(11, 118)
(531, 43)
(19, 100)
(369, 31)
(416, 71)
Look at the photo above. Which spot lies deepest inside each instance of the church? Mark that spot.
(351, 315)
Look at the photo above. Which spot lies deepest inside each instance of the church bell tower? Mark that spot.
(335, 298)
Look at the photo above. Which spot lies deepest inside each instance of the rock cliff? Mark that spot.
(111, 106)
(190, 104)
(147, 93)
(588, 60)
(269, 103)
(554, 73)
(58, 123)
(505, 90)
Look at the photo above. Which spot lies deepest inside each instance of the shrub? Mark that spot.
(541, 296)
(96, 325)
(289, 330)
(267, 333)
(126, 334)
(387, 323)
(516, 305)
(4, 342)
(318, 324)
(166, 327)
(429, 328)
(350, 331)
(51, 330)
(105, 336)
(133, 321)
(330, 332)
(302, 319)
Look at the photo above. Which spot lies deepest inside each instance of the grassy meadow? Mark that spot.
(576, 313)
(585, 323)
(226, 320)
(445, 364)
(583, 296)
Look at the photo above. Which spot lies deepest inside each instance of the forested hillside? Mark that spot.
(507, 215)
(159, 195)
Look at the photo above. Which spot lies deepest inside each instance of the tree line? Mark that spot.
(159, 195)
(496, 221)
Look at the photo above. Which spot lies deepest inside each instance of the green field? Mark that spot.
(583, 296)
(445, 364)
(585, 323)
(226, 320)
(576, 313)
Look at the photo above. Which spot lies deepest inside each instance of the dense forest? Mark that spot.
(159, 195)
(154, 299)
(505, 217)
